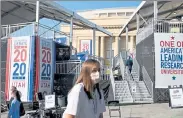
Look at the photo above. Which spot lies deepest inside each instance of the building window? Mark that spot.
(129, 13)
(102, 14)
(121, 13)
(111, 14)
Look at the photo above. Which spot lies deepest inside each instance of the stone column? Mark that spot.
(78, 44)
(127, 39)
(131, 43)
(116, 46)
(97, 46)
(102, 46)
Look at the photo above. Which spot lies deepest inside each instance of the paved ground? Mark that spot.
(144, 111)
(149, 111)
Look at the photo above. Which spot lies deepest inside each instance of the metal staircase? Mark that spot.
(122, 92)
(121, 89)
(135, 75)
(131, 89)
(141, 94)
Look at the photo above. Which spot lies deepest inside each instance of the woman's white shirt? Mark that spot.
(81, 106)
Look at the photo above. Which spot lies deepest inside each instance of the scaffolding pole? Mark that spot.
(137, 20)
(126, 38)
(94, 40)
(36, 29)
(71, 35)
(111, 57)
(119, 44)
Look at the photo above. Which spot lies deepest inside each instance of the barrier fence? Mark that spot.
(65, 67)
(159, 26)
(28, 29)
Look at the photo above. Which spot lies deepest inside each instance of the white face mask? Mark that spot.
(95, 77)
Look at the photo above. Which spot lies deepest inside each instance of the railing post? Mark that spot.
(9, 31)
(122, 66)
(94, 41)
(111, 54)
(36, 28)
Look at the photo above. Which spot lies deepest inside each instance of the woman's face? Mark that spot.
(13, 88)
(95, 75)
(13, 94)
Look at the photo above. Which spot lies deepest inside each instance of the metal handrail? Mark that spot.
(147, 80)
(122, 66)
(129, 75)
(112, 82)
(159, 26)
(115, 60)
(136, 66)
(168, 26)
(145, 31)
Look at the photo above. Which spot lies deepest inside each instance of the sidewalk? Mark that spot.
(148, 111)
(145, 111)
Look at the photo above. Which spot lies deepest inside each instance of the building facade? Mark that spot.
(110, 19)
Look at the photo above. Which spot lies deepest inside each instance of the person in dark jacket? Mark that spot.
(14, 107)
(129, 63)
(13, 88)
(18, 96)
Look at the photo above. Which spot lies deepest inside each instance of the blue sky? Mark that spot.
(89, 5)
(83, 5)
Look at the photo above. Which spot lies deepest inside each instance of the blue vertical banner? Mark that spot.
(45, 65)
(20, 66)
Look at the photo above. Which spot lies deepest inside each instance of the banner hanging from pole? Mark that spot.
(168, 59)
(86, 46)
(20, 67)
(44, 65)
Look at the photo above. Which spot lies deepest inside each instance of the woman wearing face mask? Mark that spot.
(85, 100)
(14, 111)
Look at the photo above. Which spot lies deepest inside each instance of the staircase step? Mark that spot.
(122, 95)
(143, 99)
(122, 92)
(124, 99)
(141, 96)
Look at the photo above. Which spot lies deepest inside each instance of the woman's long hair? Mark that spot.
(85, 76)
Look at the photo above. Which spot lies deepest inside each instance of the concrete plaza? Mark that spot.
(143, 111)
(148, 111)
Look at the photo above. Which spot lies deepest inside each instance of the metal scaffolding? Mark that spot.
(17, 15)
(145, 20)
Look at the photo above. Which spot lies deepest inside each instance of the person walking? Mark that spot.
(13, 88)
(129, 64)
(22, 110)
(86, 99)
(14, 108)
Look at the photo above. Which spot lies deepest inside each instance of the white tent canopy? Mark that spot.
(166, 10)
(14, 12)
